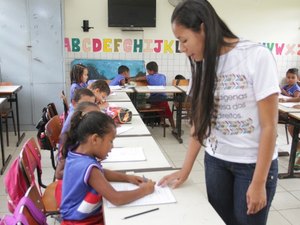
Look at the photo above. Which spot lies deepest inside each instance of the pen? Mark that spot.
(145, 179)
(141, 213)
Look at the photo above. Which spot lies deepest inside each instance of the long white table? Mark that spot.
(191, 208)
(137, 128)
(118, 97)
(155, 159)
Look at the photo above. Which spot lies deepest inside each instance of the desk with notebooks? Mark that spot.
(136, 154)
(184, 205)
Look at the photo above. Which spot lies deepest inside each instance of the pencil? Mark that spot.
(141, 213)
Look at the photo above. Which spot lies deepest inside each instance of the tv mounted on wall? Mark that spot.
(131, 13)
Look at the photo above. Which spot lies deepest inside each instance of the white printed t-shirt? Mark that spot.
(245, 75)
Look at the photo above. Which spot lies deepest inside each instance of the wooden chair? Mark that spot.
(52, 130)
(151, 112)
(33, 194)
(6, 113)
(28, 164)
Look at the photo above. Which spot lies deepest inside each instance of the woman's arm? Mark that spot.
(177, 178)
(268, 118)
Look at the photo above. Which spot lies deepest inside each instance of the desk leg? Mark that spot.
(20, 137)
(290, 173)
(177, 133)
(4, 160)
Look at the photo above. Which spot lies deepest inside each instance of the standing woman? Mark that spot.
(234, 114)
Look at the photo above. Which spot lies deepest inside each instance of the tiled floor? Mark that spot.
(285, 208)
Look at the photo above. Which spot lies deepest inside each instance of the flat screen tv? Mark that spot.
(131, 13)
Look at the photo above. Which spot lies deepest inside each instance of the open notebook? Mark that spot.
(161, 195)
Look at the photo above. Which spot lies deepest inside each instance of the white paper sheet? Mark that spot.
(123, 129)
(115, 87)
(126, 154)
(161, 195)
(156, 87)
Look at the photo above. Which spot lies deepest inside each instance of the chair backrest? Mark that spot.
(141, 83)
(35, 215)
(53, 129)
(31, 161)
(180, 82)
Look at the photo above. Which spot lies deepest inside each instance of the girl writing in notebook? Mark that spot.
(85, 181)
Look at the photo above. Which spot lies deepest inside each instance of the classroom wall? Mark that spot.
(274, 23)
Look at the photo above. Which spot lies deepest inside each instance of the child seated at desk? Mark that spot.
(156, 79)
(101, 90)
(122, 78)
(85, 181)
(78, 77)
(291, 89)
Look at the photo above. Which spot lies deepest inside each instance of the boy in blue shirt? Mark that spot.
(122, 78)
(159, 99)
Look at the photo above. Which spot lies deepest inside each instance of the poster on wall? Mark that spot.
(108, 69)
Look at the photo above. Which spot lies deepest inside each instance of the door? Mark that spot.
(31, 54)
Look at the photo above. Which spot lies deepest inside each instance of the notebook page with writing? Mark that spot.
(161, 195)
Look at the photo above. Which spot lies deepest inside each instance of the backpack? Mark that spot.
(47, 113)
(119, 114)
(15, 181)
(17, 217)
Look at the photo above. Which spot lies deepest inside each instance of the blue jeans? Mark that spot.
(227, 184)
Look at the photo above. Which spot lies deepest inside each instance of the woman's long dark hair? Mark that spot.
(191, 14)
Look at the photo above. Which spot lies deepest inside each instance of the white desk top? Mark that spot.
(167, 89)
(118, 97)
(2, 100)
(128, 105)
(285, 109)
(295, 115)
(191, 208)
(121, 89)
(183, 88)
(154, 157)
(10, 89)
(137, 127)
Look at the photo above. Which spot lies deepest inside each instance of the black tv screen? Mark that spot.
(131, 13)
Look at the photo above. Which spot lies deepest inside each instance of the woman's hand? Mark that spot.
(174, 179)
(256, 198)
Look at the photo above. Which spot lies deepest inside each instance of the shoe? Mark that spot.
(165, 125)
